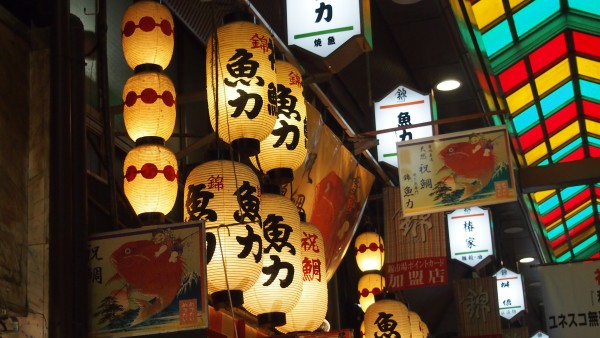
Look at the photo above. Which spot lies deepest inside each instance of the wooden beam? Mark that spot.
(559, 175)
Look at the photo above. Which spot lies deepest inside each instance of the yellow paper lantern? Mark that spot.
(244, 85)
(227, 193)
(150, 179)
(369, 285)
(362, 329)
(279, 286)
(284, 150)
(369, 251)
(309, 312)
(387, 318)
(147, 34)
(149, 105)
(415, 325)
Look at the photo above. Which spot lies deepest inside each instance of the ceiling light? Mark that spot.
(513, 230)
(447, 85)
(526, 260)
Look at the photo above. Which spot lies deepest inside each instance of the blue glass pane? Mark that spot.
(543, 163)
(525, 120)
(590, 90)
(566, 150)
(589, 6)
(564, 257)
(559, 230)
(568, 193)
(594, 141)
(585, 244)
(548, 205)
(580, 217)
(534, 14)
(497, 38)
(557, 98)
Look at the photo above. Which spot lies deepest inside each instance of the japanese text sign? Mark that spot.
(571, 294)
(470, 235)
(510, 293)
(321, 27)
(148, 280)
(477, 301)
(455, 170)
(402, 107)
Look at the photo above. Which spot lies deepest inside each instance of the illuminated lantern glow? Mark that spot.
(310, 311)
(211, 193)
(244, 85)
(278, 289)
(369, 285)
(362, 329)
(392, 317)
(284, 150)
(415, 325)
(150, 179)
(147, 34)
(149, 105)
(369, 251)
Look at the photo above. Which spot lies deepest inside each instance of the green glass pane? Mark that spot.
(559, 230)
(594, 141)
(543, 163)
(568, 193)
(534, 14)
(497, 38)
(590, 90)
(580, 217)
(525, 120)
(548, 205)
(557, 99)
(585, 244)
(589, 6)
(565, 257)
(566, 150)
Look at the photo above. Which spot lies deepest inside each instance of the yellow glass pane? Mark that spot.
(519, 99)
(578, 209)
(486, 11)
(515, 3)
(539, 196)
(554, 224)
(561, 250)
(589, 68)
(564, 135)
(592, 127)
(582, 236)
(552, 77)
(536, 153)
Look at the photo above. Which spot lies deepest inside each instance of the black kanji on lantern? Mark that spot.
(277, 234)
(287, 103)
(248, 243)
(197, 201)
(283, 133)
(249, 203)
(273, 272)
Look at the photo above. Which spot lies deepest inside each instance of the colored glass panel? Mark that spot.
(589, 68)
(561, 118)
(531, 138)
(525, 119)
(579, 215)
(539, 196)
(573, 232)
(593, 141)
(564, 135)
(554, 233)
(564, 257)
(573, 191)
(548, 204)
(552, 77)
(592, 126)
(594, 151)
(536, 154)
(591, 109)
(588, 6)
(534, 14)
(497, 38)
(590, 89)
(552, 216)
(487, 11)
(548, 53)
(557, 98)
(584, 240)
(576, 155)
(515, 3)
(513, 76)
(586, 44)
(519, 98)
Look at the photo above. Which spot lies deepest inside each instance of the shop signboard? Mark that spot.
(510, 293)
(470, 236)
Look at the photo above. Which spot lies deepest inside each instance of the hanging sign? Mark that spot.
(456, 170)
(540, 334)
(470, 235)
(326, 28)
(148, 280)
(402, 107)
(478, 314)
(510, 293)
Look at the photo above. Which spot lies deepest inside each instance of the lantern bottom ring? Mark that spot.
(220, 299)
(271, 319)
(246, 146)
(152, 218)
(281, 176)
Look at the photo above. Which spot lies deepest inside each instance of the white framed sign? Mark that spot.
(470, 235)
(510, 293)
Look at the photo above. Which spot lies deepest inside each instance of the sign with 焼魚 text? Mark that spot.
(402, 107)
(456, 170)
(415, 247)
(470, 235)
(510, 293)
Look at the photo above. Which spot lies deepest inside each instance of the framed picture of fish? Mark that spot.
(456, 170)
(148, 280)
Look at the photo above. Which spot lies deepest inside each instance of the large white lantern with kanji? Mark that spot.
(393, 317)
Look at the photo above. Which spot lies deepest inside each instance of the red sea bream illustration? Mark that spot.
(468, 165)
(150, 272)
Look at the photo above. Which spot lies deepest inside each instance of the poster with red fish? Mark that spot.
(457, 170)
(148, 280)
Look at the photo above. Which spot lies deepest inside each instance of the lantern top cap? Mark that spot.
(240, 14)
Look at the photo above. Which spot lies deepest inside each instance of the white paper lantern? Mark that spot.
(279, 286)
(225, 193)
(415, 325)
(310, 311)
(369, 285)
(387, 318)
(369, 251)
(245, 85)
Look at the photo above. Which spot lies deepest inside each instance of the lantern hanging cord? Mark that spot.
(225, 273)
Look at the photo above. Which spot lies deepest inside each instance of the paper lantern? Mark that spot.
(225, 192)
(242, 79)
(362, 329)
(369, 285)
(369, 251)
(284, 150)
(387, 318)
(149, 105)
(150, 179)
(309, 312)
(415, 325)
(279, 286)
(147, 34)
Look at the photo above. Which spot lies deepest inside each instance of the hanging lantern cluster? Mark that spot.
(278, 289)
(284, 150)
(310, 311)
(369, 250)
(150, 170)
(387, 318)
(241, 85)
(418, 329)
(226, 194)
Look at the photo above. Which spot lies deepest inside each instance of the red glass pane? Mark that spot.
(586, 44)
(576, 200)
(574, 156)
(553, 50)
(551, 216)
(513, 76)
(561, 118)
(572, 233)
(531, 138)
(591, 109)
(558, 241)
(595, 256)
(594, 151)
